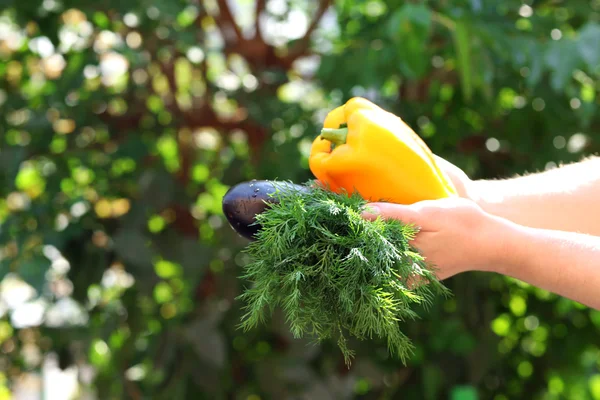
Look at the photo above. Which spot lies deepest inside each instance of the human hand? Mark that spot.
(464, 185)
(455, 234)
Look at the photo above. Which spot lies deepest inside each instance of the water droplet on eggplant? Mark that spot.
(244, 201)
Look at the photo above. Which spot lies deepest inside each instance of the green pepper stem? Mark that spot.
(335, 136)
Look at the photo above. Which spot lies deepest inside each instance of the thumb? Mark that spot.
(404, 213)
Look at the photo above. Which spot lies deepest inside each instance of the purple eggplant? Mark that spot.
(245, 200)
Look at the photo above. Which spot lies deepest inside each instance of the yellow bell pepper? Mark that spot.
(366, 149)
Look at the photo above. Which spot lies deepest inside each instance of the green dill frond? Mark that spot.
(334, 273)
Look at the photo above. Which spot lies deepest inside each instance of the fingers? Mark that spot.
(407, 214)
(458, 177)
(448, 167)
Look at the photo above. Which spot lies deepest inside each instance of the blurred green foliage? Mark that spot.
(122, 124)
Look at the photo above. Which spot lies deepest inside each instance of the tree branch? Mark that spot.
(226, 21)
(122, 124)
(260, 7)
(168, 70)
(132, 390)
(186, 156)
(205, 115)
(302, 46)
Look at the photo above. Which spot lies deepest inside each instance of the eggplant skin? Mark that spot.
(245, 200)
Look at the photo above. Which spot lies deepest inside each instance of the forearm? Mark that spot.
(565, 263)
(565, 198)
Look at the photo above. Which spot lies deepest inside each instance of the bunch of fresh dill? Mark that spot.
(334, 272)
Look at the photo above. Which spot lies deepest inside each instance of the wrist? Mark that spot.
(506, 242)
(485, 195)
(502, 242)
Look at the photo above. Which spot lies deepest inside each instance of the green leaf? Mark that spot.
(463, 343)
(483, 74)
(464, 392)
(536, 64)
(187, 16)
(464, 58)
(31, 181)
(99, 353)
(10, 161)
(594, 384)
(189, 255)
(208, 342)
(101, 20)
(157, 187)
(410, 20)
(166, 269)
(132, 246)
(562, 58)
(156, 223)
(409, 28)
(163, 293)
(476, 5)
(501, 325)
(588, 44)
(432, 381)
(33, 272)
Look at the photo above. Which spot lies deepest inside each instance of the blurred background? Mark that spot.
(123, 123)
